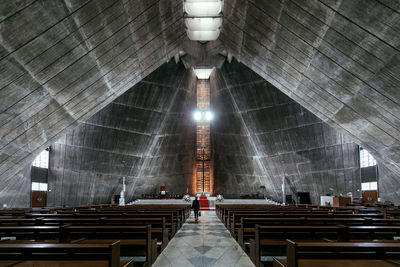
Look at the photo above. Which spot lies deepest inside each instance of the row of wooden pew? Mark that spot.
(94, 236)
(264, 230)
(317, 254)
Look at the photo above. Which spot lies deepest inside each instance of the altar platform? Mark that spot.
(212, 201)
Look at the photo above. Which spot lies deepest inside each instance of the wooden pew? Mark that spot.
(19, 221)
(267, 236)
(13, 212)
(385, 221)
(182, 210)
(236, 217)
(241, 219)
(159, 228)
(30, 232)
(310, 254)
(373, 232)
(233, 216)
(44, 224)
(40, 254)
(170, 220)
(275, 235)
(223, 210)
(393, 213)
(131, 237)
(245, 230)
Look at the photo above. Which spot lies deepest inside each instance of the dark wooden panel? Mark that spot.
(38, 199)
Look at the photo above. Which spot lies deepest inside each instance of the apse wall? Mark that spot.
(260, 136)
(146, 135)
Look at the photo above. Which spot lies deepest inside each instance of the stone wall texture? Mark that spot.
(63, 61)
(338, 59)
(16, 191)
(260, 135)
(146, 135)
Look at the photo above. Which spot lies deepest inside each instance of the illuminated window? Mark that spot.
(203, 117)
(203, 74)
(42, 160)
(35, 186)
(39, 186)
(369, 186)
(366, 159)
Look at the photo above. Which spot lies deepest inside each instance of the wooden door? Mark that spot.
(38, 199)
(370, 196)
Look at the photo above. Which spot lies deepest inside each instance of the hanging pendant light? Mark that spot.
(203, 8)
(203, 19)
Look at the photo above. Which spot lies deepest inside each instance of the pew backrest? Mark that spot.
(45, 251)
(339, 250)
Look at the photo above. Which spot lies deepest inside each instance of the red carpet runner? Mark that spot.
(204, 203)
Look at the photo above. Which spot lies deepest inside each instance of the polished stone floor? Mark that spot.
(206, 243)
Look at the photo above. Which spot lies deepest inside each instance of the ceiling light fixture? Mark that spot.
(203, 116)
(203, 19)
(203, 8)
(208, 116)
(197, 115)
(203, 24)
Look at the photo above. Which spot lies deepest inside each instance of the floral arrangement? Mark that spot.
(186, 198)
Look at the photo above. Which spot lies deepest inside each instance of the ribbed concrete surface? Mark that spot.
(63, 61)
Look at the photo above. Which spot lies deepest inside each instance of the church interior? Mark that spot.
(280, 119)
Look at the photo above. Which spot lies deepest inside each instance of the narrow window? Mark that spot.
(39, 186)
(366, 159)
(42, 160)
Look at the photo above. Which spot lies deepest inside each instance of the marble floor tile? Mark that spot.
(244, 261)
(163, 260)
(203, 244)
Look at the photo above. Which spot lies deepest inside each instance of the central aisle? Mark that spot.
(206, 243)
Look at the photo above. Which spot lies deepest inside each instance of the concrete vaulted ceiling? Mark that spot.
(63, 61)
(338, 59)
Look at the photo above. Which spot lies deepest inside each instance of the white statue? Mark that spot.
(122, 195)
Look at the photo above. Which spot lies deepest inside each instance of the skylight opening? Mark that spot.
(203, 73)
